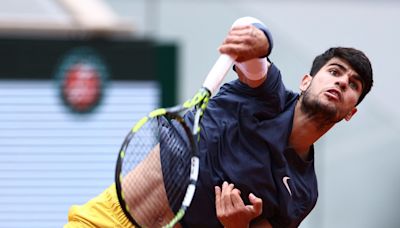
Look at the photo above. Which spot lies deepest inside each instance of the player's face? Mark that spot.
(333, 92)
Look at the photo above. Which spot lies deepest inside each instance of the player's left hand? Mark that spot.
(231, 210)
(245, 42)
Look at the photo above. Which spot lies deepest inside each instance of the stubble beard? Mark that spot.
(323, 114)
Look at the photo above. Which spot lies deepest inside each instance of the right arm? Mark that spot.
(251, 45)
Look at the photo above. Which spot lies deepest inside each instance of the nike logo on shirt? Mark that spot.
(285, 182)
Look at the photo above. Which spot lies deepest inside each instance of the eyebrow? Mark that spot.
(356, 76)
(338, 65)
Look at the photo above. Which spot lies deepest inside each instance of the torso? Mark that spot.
(249, 148)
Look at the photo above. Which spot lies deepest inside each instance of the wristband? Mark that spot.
(253, 69)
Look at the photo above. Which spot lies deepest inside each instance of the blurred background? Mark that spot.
(75, 75)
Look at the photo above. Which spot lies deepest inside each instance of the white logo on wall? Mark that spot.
(81, 78)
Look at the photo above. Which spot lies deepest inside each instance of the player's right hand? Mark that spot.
(245, 42)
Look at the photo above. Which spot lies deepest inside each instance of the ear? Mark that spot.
(305, 82)
(350, 114)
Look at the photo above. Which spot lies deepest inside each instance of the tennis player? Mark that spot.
(258, 136)
(272, 131)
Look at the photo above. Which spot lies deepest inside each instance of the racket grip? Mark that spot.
(218, 72)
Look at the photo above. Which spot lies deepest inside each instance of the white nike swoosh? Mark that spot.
(285, 182)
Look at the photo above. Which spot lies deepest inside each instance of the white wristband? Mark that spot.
(254, 69)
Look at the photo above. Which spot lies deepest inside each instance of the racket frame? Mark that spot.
(199, 102)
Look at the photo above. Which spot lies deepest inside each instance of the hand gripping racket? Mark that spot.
(157, 167)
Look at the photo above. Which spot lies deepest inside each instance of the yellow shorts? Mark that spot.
(102, 211)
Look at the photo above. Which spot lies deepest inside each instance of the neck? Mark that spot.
(306, 131)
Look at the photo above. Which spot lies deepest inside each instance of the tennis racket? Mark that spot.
(158, 165)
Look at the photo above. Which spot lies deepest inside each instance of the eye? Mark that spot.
(334, 72)
(355, 84)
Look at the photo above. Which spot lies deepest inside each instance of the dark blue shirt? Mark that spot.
(244, 140)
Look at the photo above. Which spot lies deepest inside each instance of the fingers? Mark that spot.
(227, 199)
(230, 208)
(231, 197)
(236, 200)
(256, 207)
(238, 40)
(240, 34)
(245, 42)
(218, 205)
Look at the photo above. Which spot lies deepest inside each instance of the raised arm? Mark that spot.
(251, 44)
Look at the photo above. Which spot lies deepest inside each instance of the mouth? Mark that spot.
(334, 94)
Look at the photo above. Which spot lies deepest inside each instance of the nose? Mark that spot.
(342, 83)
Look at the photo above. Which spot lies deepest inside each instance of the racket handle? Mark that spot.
(218, 72)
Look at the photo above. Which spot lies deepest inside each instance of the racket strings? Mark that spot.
(141, 149)
(139, 146)
(174, 160)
